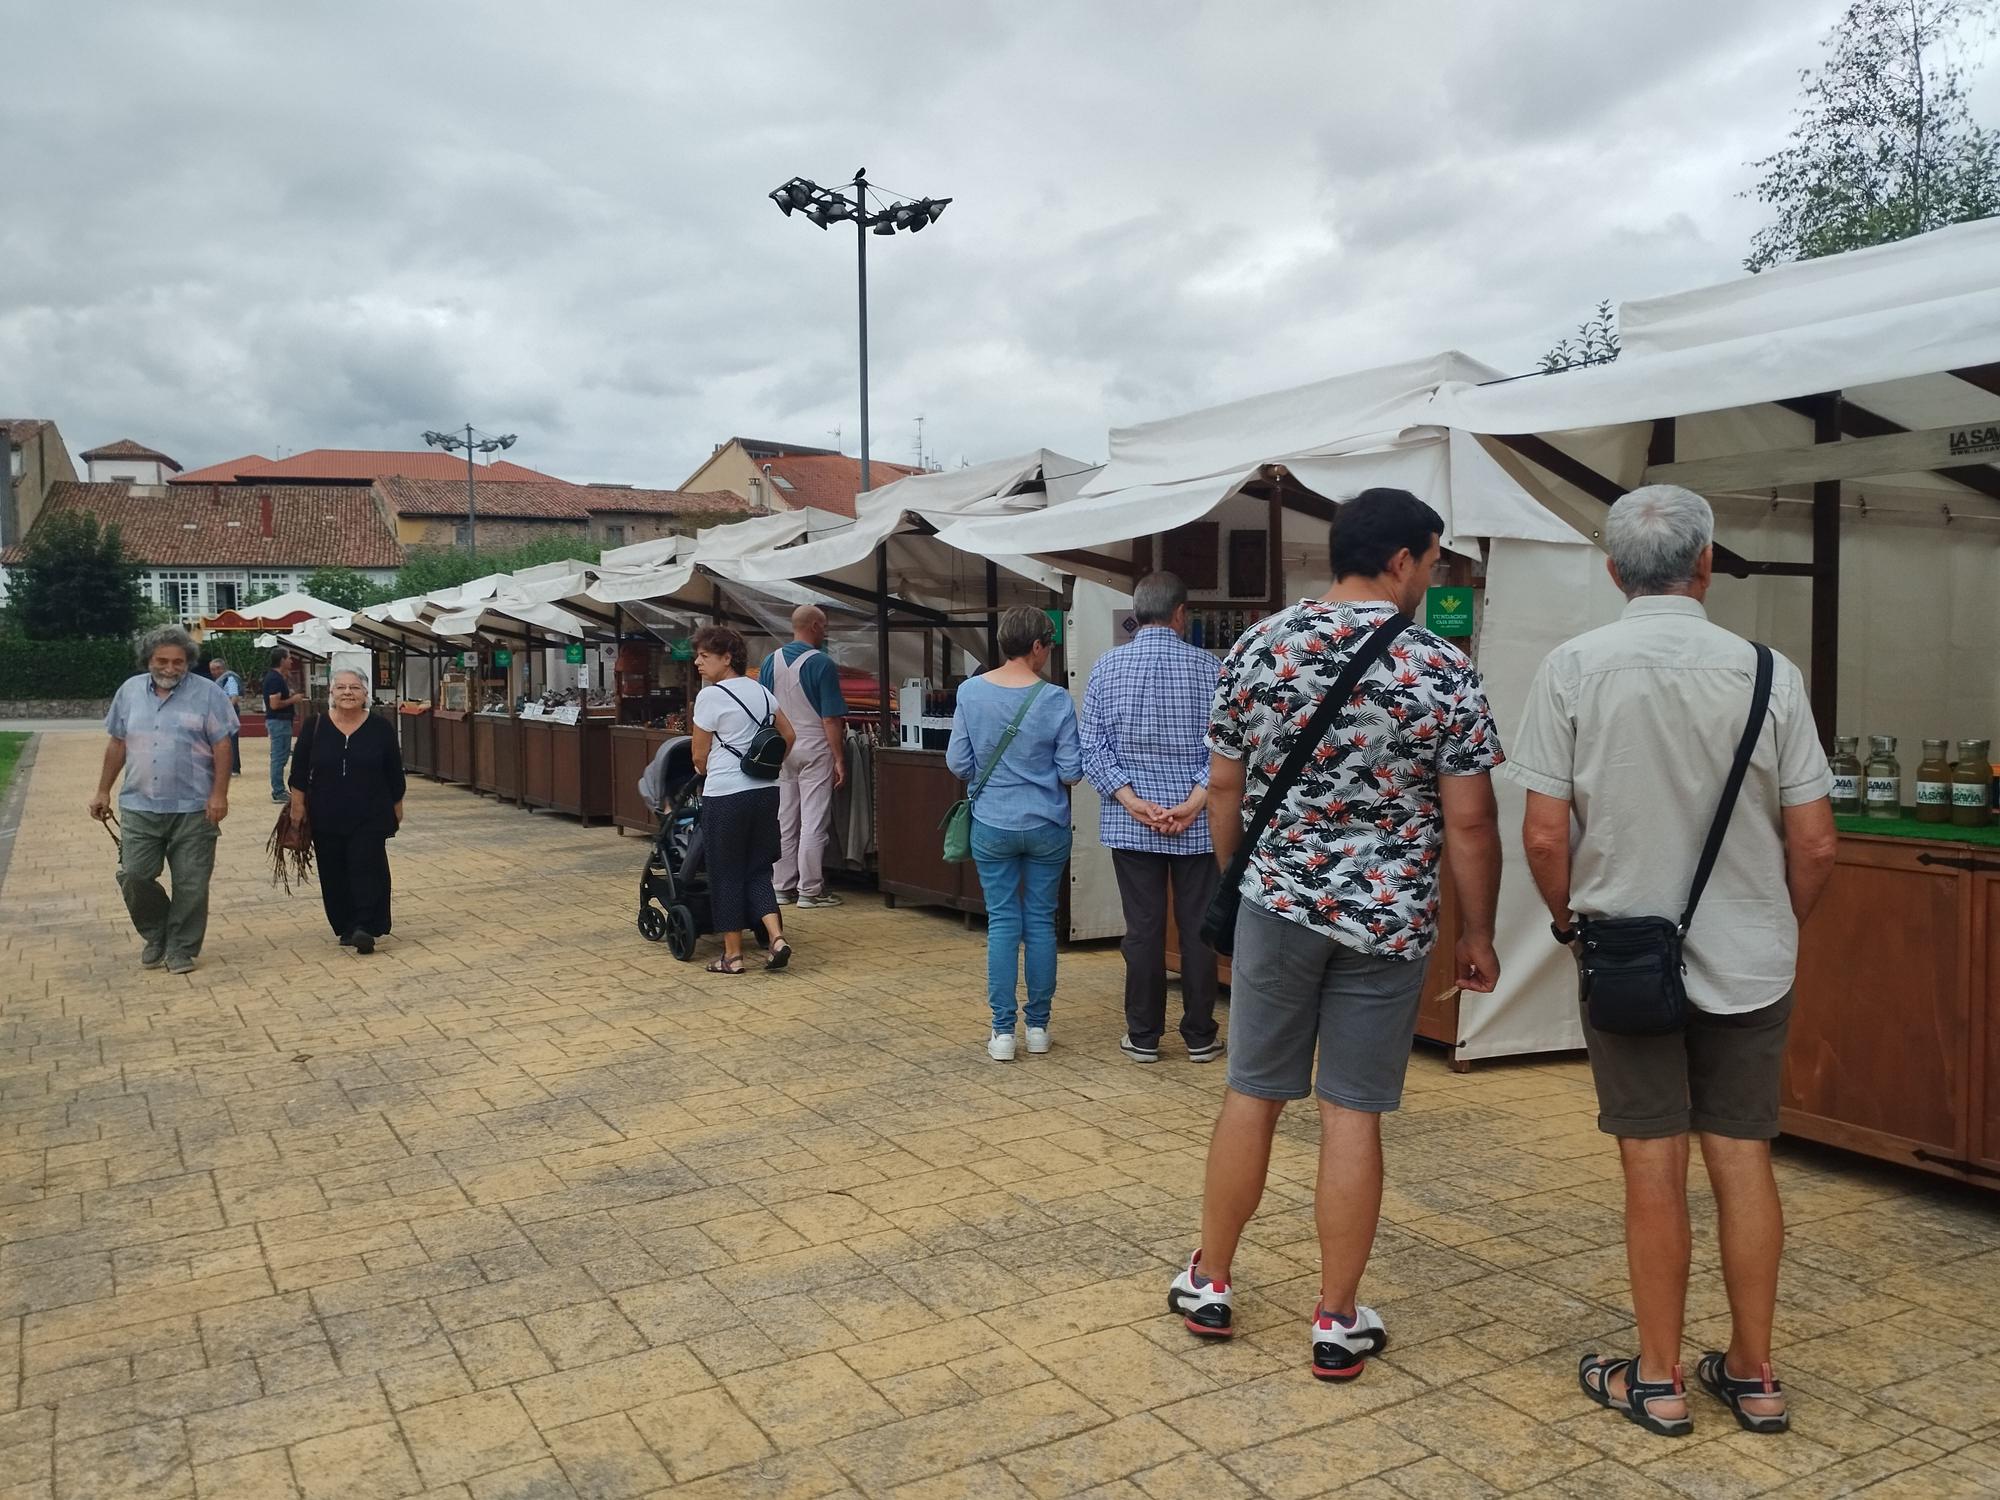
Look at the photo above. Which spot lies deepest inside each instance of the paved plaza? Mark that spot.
(520, 1207)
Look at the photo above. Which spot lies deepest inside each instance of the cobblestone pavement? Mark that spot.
(520, 1207)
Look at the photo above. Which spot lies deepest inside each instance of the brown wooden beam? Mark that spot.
(1860, 422)
(1103, 562)
(868, 596)
(1825, 686)
(1660, 450)
(1986, 377)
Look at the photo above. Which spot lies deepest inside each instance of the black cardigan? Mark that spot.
(352, 782)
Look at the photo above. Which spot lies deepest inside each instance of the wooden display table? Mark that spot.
(417, 738)
(567, 767)
(1895, 1039)
(632, 749)
(496, 756)
(913, 792)
(453, 748)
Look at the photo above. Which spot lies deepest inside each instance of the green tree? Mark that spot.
(73, 582)
(343, 586)
(1595, 343)
(1885, 146)
(425, 570)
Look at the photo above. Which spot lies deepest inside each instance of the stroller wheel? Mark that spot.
(652, 923)
(680, 933)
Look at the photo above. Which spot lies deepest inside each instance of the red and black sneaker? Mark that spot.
(1206, 1307)
(1341, 1346)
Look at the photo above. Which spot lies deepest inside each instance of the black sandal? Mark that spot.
(1639, 1394)
(781, 954)
(722, 963)
(1714, 1375)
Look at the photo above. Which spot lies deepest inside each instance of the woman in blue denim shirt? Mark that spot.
(1021, 820)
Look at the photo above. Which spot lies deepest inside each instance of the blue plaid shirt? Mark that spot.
(1145, 725)
(169, 742)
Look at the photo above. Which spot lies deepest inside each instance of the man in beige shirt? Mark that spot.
(1626, 742)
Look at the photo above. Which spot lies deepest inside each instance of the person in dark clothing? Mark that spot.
(348, 773)
(281, 707)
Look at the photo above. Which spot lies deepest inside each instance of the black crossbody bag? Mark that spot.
(1631, 970)
(1218, 927)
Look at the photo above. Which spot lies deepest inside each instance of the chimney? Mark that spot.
(264, 517)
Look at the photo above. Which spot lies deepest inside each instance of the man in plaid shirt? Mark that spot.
(1145, 749)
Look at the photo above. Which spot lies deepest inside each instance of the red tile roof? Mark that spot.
(829, 481)
(19, 429)
(127, 448)
(551, 501)
(311, 526)
(224, 473)
(360, 466)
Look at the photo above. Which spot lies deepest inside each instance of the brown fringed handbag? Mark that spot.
(290, 846)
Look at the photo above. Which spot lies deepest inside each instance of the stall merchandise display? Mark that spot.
(1883, 777)
(1972, 784)
(1934, 784)
(1845, 764)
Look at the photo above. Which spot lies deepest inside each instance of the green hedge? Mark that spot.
(63, 669)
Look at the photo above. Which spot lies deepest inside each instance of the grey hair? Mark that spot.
(355, 672)
(1655, 536)
(1157, 597)
(164, 635)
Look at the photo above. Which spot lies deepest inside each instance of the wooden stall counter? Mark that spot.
(632, 749)
(418, 736)
(913, 792)
(566, 767)
(1894, 1049)
(496, 755)
(452, 751)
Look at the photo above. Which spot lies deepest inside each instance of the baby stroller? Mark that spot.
(673, 891)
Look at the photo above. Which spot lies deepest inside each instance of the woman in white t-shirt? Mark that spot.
(739, 813)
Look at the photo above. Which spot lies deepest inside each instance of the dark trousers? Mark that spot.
(1143, 884)
(353, 881)
(739, 840)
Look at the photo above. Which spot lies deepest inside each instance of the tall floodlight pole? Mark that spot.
(472, 443)
(887, 214)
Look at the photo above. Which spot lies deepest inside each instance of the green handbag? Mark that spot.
(957, 824)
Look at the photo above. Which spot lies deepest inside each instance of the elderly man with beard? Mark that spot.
(169, 734)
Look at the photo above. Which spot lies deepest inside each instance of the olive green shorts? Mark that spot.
(1720, 1076)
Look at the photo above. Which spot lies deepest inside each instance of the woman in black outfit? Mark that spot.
(348, 773)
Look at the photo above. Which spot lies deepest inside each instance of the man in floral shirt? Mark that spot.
(1340, 902)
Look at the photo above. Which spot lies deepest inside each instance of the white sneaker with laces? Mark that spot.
(1341, 1348)
(1038, 1038)
(1206, 1307)
(1000, 1046)
(814, 903)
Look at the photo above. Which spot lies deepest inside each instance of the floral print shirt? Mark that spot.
(1353, 853)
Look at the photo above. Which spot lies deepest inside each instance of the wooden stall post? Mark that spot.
(886, 736)
(1826, 578)
(992, 615)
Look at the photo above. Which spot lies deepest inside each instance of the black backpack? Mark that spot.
(765, 755)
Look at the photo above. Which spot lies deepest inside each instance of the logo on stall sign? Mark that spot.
(1966, 441)
(1448, 611)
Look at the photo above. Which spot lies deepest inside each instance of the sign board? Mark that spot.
(531, 710)
(503, 657)
(459, 660)
(1056, 619)
(567, 714)
(573, 653)
(681, 650)
(1448, 611)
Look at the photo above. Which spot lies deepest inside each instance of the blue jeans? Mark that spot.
(1020, 871)
(280, 731)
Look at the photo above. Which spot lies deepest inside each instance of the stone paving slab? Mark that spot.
(520, 1208)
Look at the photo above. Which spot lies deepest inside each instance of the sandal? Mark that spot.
(1637, 1403)
(1732, 1393)
(723, 964)
(781, 954)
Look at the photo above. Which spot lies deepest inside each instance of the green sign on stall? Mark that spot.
(503, 657)
(1056, 619)
(460, 659)
(573, 653)
(680, 650)
(1448, 610)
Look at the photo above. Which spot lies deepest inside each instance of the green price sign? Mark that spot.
(503, 658)
(460, 659)
(1056, 619)
(1448, 611)
(680, 650)
(573, 653)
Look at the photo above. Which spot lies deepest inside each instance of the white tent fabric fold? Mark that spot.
(290, 603)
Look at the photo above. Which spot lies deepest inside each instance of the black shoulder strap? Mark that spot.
(1365, 656)
(1760, 701)
(766, 723)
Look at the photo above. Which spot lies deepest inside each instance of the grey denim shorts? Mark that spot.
(1293, 989)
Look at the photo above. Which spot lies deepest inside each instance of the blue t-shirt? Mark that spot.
(276, 686)
(819, 678)
(1028, 787)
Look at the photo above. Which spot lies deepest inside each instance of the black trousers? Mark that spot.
(739, 840)
(353, 881)
(1144, 881)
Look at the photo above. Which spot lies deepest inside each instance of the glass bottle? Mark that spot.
(1934, 784)
(1972, 785)
(1846, 767)
(1882, 778)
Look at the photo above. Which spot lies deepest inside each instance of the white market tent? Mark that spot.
(290, 603)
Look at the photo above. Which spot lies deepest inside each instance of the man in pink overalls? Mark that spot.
(807, 685)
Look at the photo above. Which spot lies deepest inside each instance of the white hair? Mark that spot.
(354, 672)
(1656, 535)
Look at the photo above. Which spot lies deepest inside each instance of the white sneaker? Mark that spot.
(788, 898)
(1000, 1046)
(1206, 1307)
(1339, 1349)
(1038, 1038)
(814, 903)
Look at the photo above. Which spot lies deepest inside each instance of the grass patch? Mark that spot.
(11, 746)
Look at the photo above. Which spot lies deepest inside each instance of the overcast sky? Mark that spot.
(230, 228)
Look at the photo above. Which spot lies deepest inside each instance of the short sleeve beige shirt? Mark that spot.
(1634, 725)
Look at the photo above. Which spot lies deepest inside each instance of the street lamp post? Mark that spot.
(824, 207)
(472, 443)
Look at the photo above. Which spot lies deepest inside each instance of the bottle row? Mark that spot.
(1217, 629)
(1957, 791)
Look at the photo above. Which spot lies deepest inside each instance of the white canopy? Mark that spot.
(290, 603)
